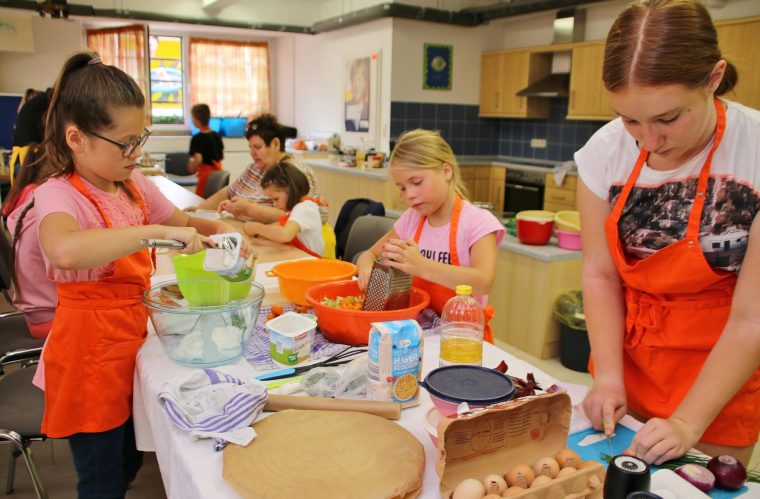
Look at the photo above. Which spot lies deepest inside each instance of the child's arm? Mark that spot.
(242, 207)
(71, 248)
(194, 162)
(405, 255)
(367, 259)
(274, 231)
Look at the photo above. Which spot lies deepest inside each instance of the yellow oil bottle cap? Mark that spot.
(463, 289)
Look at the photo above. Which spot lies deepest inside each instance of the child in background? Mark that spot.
(93, 213)
(206, 148)
(442, 239)
(301, 225)
(35, 294)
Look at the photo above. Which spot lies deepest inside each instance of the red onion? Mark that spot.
(697, 475)
(729, 472)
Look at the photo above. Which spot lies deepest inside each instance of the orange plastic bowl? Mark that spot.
(296, 277)
(351, 327)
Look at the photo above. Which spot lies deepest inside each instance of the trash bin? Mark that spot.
(574, 347)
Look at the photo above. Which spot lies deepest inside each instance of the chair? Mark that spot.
(20, 419)
(365, 232)
(350, 211)
(175, 165)
(15, 336)
(216, 180)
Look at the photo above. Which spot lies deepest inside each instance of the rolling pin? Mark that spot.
(388, 410)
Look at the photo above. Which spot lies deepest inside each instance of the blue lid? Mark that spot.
(475, 385)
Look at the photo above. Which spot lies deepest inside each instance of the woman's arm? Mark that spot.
(604, 307)
(274, 231)
(212, 202)
(733, 359)
(69, 247)
(405, 255)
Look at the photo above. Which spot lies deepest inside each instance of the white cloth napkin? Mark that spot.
(561, 170)
(212, 404)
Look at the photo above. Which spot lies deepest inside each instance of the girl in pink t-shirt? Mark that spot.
(93, 214)
(442, 240)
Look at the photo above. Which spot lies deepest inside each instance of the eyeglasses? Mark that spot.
(127, 148)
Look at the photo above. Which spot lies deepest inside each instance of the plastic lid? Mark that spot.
(463, 289)
(475, 385)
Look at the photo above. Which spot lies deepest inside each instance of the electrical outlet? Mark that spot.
(538, 143)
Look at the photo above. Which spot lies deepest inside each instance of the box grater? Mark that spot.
(388, 288)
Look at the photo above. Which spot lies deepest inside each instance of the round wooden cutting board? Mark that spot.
(326, 454)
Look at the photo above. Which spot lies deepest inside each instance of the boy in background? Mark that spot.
(206, 148)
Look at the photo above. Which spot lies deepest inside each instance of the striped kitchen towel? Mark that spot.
(211, 404)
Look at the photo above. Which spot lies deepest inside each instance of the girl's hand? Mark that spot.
(252, 228)
(194, 242)
(236, 205)
(403, 255)
(604, 405)
(661, 440)
(363, 270)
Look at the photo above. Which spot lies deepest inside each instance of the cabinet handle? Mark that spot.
(497, 99)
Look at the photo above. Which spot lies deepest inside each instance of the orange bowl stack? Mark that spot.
(351, 327)
(297, 276)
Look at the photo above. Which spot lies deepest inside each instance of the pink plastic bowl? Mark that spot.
(430, 422)
(569, 240)
(479, 386)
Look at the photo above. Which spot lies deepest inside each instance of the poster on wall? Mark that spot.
(437, 64)
(16, 34)
(358, 87)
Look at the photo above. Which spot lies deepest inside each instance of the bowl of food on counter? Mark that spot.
(340, 318)
(298, 276)
(534, 227)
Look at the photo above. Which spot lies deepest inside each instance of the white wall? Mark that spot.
(409, 38)
(319, 74)
(54, 41)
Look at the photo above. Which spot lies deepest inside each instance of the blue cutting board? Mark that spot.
(620, 442)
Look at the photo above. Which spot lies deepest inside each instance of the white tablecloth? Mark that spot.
(193, 470)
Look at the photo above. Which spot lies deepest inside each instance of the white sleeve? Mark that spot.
(602, 156)
(306, 215)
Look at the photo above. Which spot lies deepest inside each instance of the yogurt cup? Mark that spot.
(291, 337)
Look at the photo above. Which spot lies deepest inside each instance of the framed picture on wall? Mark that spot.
(358, 89)
(437, 64)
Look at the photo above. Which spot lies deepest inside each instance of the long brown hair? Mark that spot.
(288, 176)
(659, 42)
(86, 94)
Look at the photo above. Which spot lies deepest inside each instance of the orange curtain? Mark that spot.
(124, 48)
(231, 77)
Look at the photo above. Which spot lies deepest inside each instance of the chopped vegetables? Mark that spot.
(344, 302)
(697, 475)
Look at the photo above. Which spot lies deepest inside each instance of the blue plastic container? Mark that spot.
(234, 127)
(214, 123)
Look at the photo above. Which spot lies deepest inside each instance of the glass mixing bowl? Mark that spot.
(203, 336)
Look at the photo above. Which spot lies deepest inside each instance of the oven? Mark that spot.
(524, 189)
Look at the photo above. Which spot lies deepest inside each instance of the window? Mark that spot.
(166, 80)
(122, 47)
(231, 77)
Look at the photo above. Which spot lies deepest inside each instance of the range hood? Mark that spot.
(569, 26)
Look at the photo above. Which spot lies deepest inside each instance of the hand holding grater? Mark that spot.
(388, 288)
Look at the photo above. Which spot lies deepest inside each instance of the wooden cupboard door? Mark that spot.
(515, 75)
(588, 97)
(736, 39)
(490, 80)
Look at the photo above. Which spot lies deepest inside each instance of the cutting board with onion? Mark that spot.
(591, 444)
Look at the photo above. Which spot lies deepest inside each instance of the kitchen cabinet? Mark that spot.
(588, 97)
(523, 296)
(485, 184)
(736, 39)
(505, 73)
(558, 198)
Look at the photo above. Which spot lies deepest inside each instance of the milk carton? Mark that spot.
(395, 362)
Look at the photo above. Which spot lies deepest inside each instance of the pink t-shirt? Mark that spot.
(58, 195)
(38, 297)
(474, 223)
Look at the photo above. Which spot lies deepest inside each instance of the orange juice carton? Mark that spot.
(395, 362)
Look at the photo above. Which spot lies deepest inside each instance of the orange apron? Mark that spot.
(295, 241)
(90, 354)
(439, 294)
(676, 309)
(204, 171)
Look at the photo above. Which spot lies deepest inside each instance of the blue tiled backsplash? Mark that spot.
(470, 135)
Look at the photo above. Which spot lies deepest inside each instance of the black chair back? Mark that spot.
(216, 180)
(5, 264)
(176, 163)
(365, 232)
(350, 211)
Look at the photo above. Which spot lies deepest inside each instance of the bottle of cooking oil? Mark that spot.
(462, 329)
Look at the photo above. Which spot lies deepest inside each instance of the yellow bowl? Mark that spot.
(568, 220)
(539, 215)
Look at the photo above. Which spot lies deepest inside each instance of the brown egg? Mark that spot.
(494, 484)
(588, 464)
(469, 489)
(520, 475)
(566, 471)
(546, 466)
(567, 457)
(513, 491)
(540, 480)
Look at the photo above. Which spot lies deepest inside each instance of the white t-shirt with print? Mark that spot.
(306, 215)
(657, 211)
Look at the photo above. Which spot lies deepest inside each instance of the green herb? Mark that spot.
(752, 475)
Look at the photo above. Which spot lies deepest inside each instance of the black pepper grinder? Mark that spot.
(626, 474)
